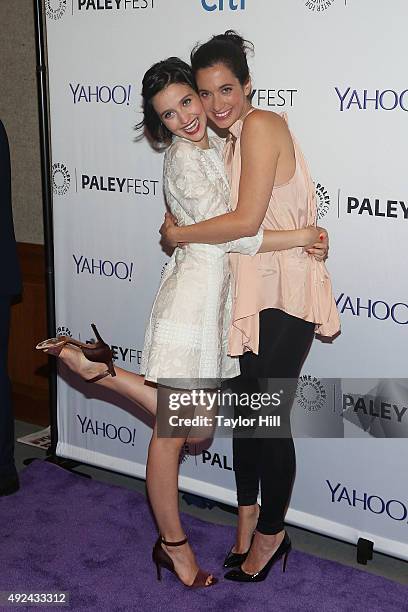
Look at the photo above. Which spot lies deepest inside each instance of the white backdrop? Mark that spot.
(335, 68)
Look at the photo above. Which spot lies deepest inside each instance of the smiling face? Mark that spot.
(224, 98)
(180, 109)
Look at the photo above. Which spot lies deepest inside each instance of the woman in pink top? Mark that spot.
(281, 298)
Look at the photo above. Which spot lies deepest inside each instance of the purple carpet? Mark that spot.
(63, 532)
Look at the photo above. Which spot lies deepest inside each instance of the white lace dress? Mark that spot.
(187, 334)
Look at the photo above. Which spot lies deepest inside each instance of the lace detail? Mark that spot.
(188, 330)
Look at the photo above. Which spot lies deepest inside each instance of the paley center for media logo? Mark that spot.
(318, 6)
(350, 99)
(55, 9)
(60, 178)
(221, 5)
(311, 394)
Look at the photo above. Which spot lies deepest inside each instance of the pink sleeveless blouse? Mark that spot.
(291, 280)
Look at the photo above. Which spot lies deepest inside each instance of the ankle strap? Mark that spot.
(180, 543)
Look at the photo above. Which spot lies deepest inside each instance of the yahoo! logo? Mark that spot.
(103, 267)
(107, 430)
(377, 309)
(393, 508)
(377, 99)
(220, 5)
(117, 94)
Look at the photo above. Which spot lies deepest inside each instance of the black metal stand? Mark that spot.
(43, 113)
(364, 551)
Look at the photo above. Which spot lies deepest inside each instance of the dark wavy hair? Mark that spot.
(229, 49)
(158, 77)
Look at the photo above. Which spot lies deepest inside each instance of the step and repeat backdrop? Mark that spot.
(335, 67)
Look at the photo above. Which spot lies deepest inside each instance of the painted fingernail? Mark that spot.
(321, 236)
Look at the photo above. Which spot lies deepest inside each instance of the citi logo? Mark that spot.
(375, 99)
(221, 5)
(393, 508)
(373, 309)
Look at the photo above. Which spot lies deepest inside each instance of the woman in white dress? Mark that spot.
(186, 337)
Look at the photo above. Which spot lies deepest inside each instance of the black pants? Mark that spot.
(283, 344)
(7, 466)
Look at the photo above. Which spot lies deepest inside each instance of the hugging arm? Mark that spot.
(259, 157)
(190, 181)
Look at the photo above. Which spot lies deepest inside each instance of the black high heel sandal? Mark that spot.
(238, 575)
(162, 559)
(98, 352)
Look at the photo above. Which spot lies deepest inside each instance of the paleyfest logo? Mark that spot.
(106, 5)
(61, 179)
(55, 9)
